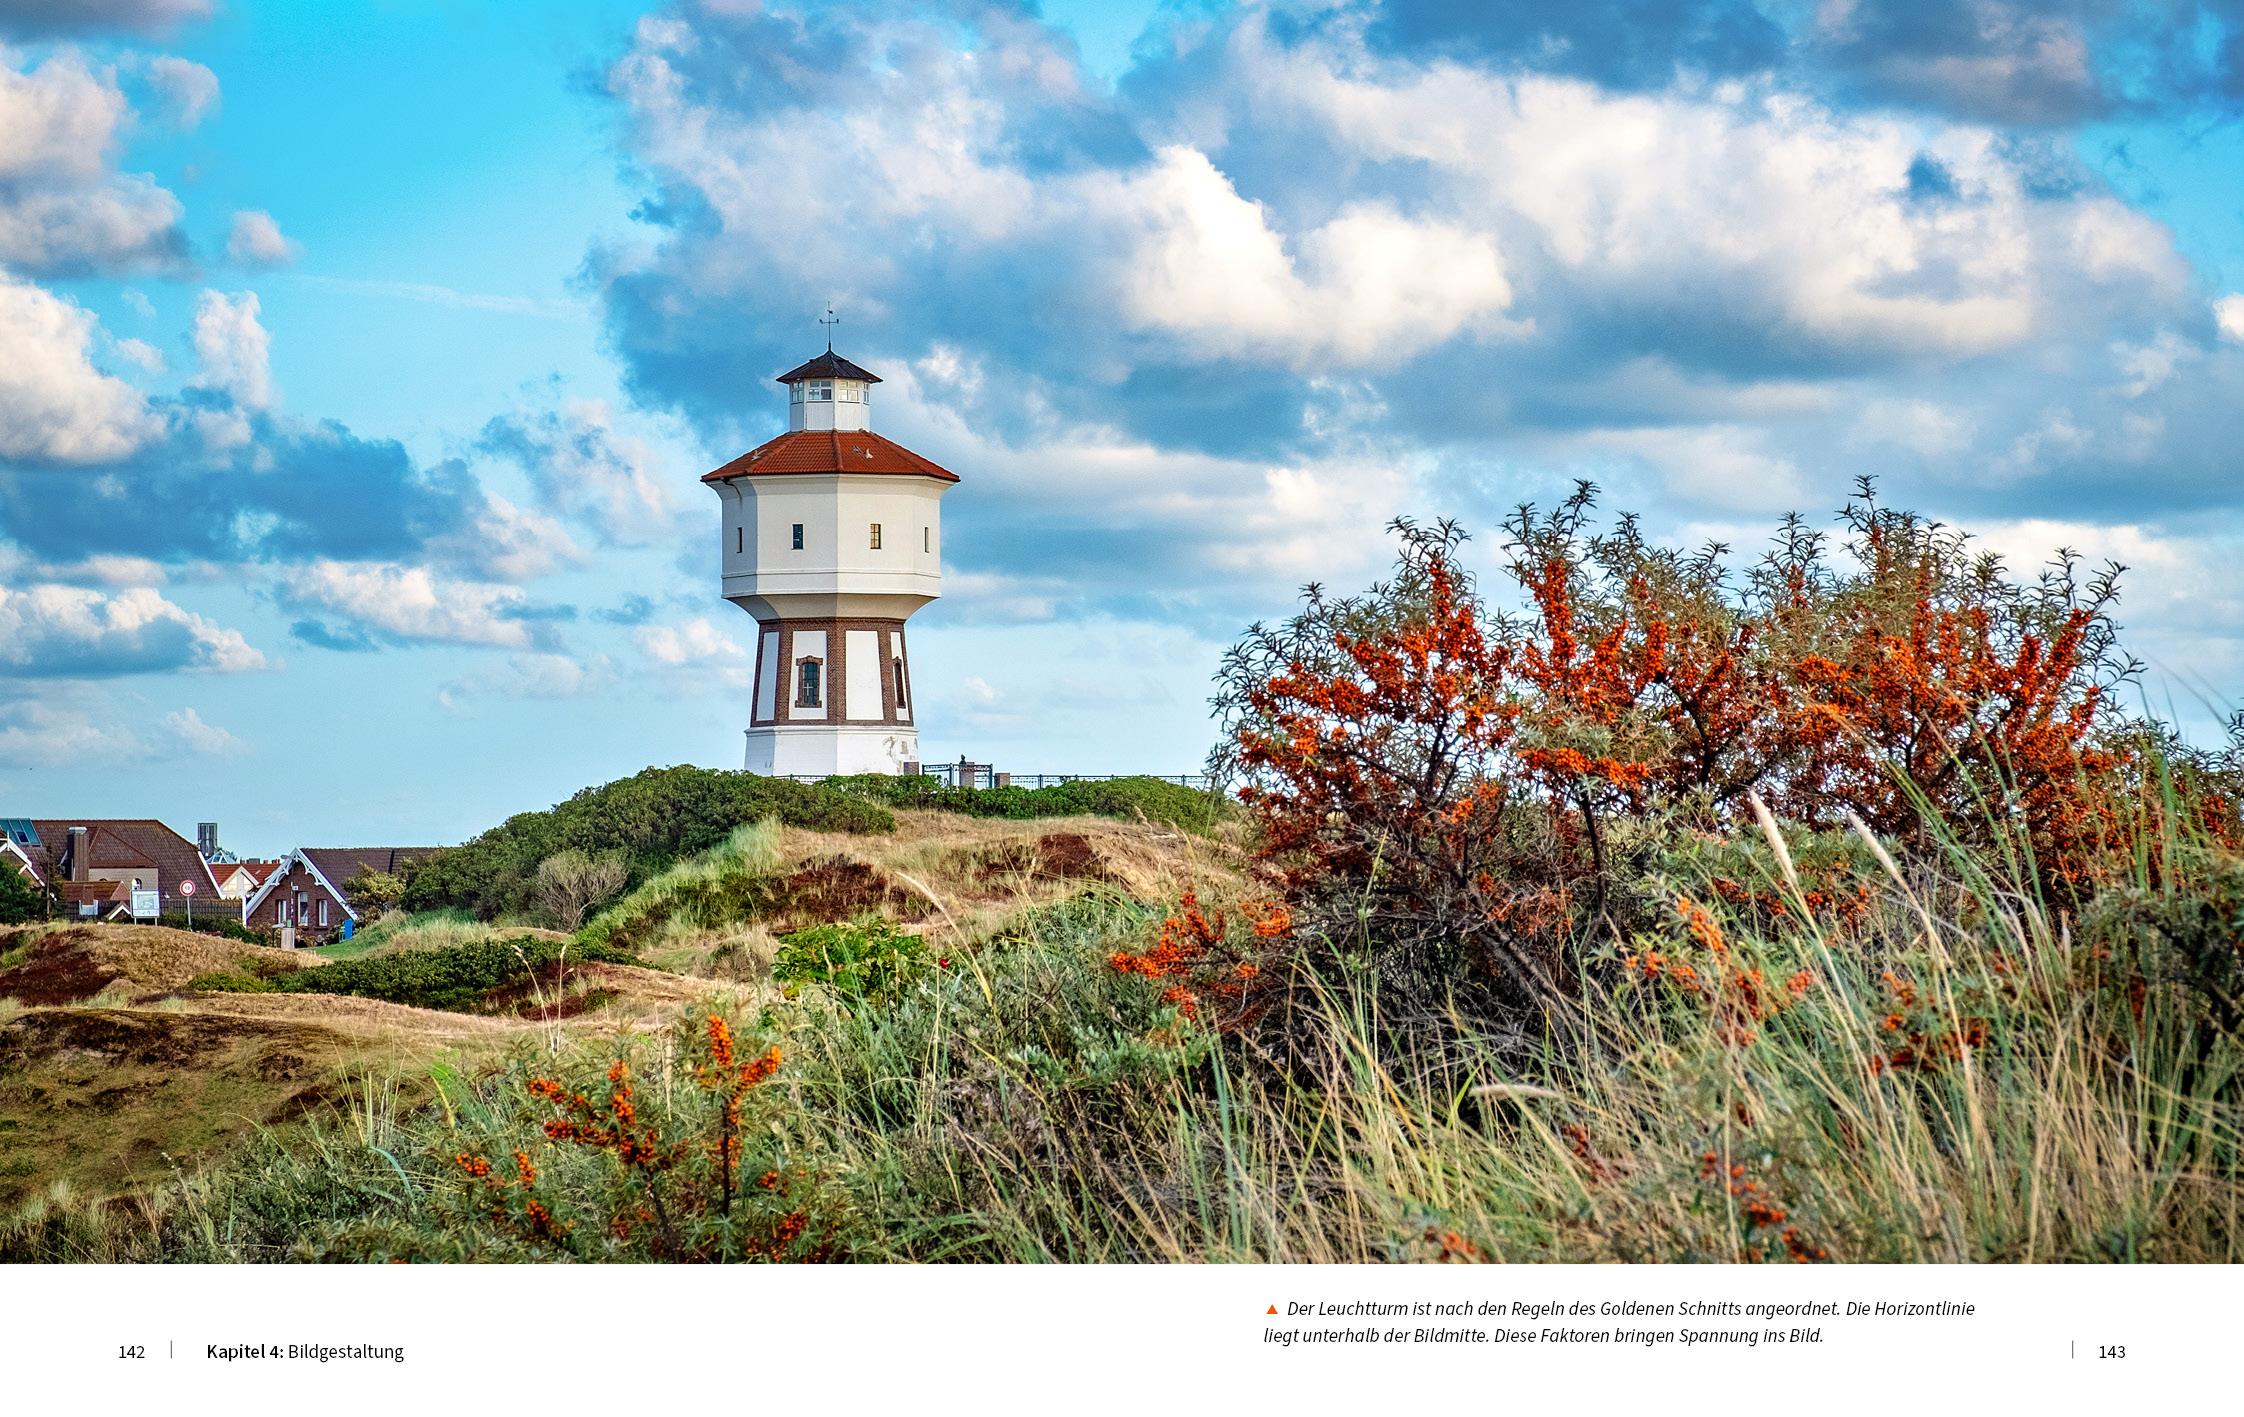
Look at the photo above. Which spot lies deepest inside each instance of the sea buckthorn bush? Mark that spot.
(1458, 795)
(664, 1154)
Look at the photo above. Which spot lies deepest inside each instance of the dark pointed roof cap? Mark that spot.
(827, 366)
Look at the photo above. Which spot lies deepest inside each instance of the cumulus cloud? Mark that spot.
(233, 349)
(1371, 286)
(695, 656)
(64, 209)
(255, 239)
(2228, 314)
(360, 605)
(42, 734)
(583, 466)
(188, 733)
(55, 406)
(77, 632)
(189, 90)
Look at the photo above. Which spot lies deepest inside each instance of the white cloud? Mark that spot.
(255, 240)
(1769, 202)
(509, 543)
(533, 676)
(46, 735)
(140, 354)
(1721, 465)
(691, 642)
(59, 119)
(233, 349)
(188, 732)
(2150, 364)
(63, 207)
(54, 405)
(408, 604)
(189, 90)
(1923, 427)
(696, 653)
(1371, 286)
(2228, 313)
(64, 631)
(583, 466)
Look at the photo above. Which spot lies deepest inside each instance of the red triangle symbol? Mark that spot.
(1273, 1308)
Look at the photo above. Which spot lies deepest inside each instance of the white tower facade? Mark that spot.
(832, 538)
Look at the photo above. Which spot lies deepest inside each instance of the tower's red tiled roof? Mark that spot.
(829, 451)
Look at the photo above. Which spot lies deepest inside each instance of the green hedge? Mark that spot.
(455, 977)
(656, 818)
(1128, 797)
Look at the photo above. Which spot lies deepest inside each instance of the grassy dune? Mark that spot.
(1950, 1072)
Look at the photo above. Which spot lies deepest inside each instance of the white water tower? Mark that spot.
(833, 536)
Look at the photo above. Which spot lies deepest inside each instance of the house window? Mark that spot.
(899, 685)
(807, 688)
(323, 912)
(876, 536)
(285, 918)
(798, 536)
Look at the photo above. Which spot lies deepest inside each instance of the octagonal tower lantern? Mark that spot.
(832, 538)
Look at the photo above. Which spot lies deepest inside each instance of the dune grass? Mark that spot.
(427, 929)
(1954, 1072)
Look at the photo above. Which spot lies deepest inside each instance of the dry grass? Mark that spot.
(57, 964)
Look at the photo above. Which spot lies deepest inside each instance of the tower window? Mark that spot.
(798, 536)
(876, 536)
(899, 685)
(852, 391)
(927, 538)
(740, 538)
(819, 391)
(808, 691)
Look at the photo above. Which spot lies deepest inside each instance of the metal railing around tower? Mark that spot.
(983, 775)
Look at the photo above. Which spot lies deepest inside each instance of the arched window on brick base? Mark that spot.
(810, 685)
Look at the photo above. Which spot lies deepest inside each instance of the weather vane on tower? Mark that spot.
(829, 322)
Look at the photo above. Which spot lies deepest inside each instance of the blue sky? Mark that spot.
(357, 361)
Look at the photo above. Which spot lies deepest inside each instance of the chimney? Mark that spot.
(81, 857)
(206, 839)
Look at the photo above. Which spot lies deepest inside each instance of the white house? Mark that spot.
(833, 537)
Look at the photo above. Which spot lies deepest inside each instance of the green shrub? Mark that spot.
(20, 900)
(214, 921)
(655, 818)
(863, 959)
(727, 884)
(231, 981)
(454, 977)
(1128, 797)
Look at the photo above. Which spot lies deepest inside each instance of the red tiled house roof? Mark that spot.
(340, 864)
(139, 846)
(829, 450)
